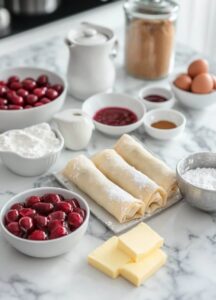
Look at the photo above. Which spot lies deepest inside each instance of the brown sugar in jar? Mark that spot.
(149, 43)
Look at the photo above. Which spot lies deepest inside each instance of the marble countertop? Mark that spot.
(190, 235)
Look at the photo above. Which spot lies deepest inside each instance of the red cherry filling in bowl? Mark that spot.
(115, 116)
(47, 217)
(16, 94)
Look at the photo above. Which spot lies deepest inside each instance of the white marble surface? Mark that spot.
(190, 235)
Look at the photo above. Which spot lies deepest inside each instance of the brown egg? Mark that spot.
(214, 80)
(183, 82)
(197, 67)
(202, 84)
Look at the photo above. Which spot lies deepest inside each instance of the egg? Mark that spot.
(183, 82)
(202, 84)
(214, 80)
(197, 67)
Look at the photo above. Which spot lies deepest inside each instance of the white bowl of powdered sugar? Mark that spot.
(30, 151)
(196, 176)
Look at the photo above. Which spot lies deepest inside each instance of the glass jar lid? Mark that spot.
(151, 8)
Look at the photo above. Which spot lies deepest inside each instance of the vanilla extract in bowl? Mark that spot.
(163, 124)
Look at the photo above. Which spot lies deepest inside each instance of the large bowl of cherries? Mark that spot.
(29, 96)
(44, 222)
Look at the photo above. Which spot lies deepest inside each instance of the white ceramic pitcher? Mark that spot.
(76, 128)
(91, 69)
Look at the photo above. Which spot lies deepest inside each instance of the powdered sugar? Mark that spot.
(31, 142)
(202, 177)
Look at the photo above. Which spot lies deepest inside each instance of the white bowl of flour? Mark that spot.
(196, 176)
(30, 151)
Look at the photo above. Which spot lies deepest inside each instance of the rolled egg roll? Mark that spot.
(145, 162)
(84, 174)
(112, 165)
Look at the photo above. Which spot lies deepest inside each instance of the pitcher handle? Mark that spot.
(115, 49)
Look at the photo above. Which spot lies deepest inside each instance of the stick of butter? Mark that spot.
(108, 258)
(140, 241)
(138, 272)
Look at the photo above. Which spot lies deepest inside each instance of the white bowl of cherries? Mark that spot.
(29, 96)
(44, 222)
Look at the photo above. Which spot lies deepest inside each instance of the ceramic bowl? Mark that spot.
(99, 101)
(25, 166)
(171, 115)
(192, 100)
(48, 248)
(198, 197)
(161, 91)
(16, 119)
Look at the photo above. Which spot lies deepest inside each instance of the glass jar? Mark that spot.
(150, 37)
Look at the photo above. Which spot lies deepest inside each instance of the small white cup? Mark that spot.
(155, 90)
(171, 115)
(76, 128)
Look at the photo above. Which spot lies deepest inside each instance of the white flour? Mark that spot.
(31, 142)
(202, 177)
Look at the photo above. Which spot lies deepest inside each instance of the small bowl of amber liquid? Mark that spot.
(164, 124)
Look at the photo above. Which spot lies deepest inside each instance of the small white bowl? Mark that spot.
(25, 166)
(171, 115)
(155, 90)
(100, 101)
(17, 119)
(192, 100)
(48, 248)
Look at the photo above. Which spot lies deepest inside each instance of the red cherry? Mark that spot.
(15, 85)
(12, 215)
(55, 223)
(27, 212)
(10, 94)
(3, 91)
(23, 93)
(17, 206)
(38, 104)
(40, 221)
(17, 100)
(40, 92)
(26, 224)
(75, 219)
(42, 80)
(80, 211)
(51, 198)
(3, 107)
(57, 215)
(58, 87)
(58, 232)
(14, 228)
(45, 100)
(3, 101)
(74, 202)
(31, 99)
(14, 107)
(13, 78)
(38, 235)
(51, 94)
(32, 200)
(28, 106)
(2, 83)
(29, 84)
(43, 208)
(64, 206)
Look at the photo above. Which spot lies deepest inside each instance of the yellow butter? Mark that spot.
(108, 258)
(138, 272)
(140, 241)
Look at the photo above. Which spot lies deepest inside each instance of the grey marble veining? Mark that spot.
(190, 235)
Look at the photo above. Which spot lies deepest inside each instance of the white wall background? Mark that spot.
(197, 25)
